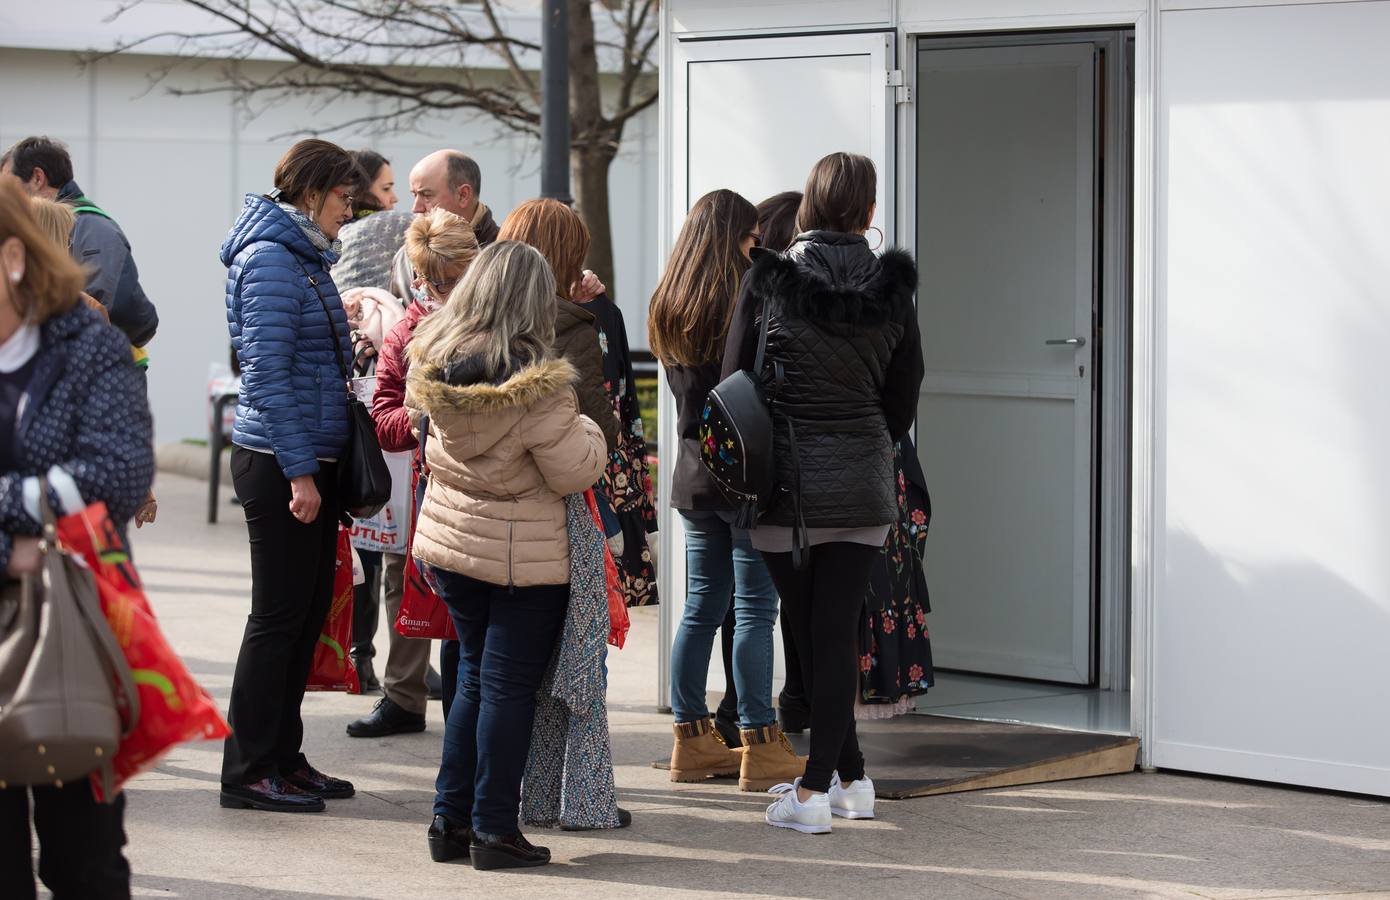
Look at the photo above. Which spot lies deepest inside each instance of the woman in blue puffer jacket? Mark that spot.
(290, 335)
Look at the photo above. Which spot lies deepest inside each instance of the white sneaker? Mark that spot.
(855, 801)
(811, 817)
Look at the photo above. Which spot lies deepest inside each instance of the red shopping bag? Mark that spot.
(423, 614)
(332, 669)
(618, 621)
(173, 707)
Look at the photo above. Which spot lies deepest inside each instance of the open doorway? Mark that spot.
(1022, 182)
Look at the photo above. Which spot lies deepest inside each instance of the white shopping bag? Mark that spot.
(385, 532)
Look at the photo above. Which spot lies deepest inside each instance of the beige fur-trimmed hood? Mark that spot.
(427, 392)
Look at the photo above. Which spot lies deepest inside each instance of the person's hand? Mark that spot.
(588, 288)
(304, 499)
(147, 511)
(352, 306)
(25, 557)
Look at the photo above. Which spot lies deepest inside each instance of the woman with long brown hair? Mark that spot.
(687, 325)
(72, 407)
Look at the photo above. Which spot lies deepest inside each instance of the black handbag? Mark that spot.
(364, 481)
(736, 439)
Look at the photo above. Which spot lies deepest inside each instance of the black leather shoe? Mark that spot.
(367, 682)
(447, 841)
(434, 688)
(387, 718)
(726, 723)
(273, 794)
(506, 851)
(313, 781)
(624, 820)
(793, 713)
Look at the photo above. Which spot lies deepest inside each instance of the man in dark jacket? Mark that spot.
(43, 168)
(448, 180)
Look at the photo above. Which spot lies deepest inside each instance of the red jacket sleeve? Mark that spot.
(388, 403)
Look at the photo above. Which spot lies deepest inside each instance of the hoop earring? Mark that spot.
(880, 236)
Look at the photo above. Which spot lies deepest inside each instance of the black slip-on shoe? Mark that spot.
(273, 794)
(447, 841)
(505, 851)
(387, 718)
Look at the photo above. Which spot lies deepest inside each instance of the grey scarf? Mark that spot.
(312, 230)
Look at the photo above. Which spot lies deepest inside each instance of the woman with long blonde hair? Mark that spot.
(505, 444)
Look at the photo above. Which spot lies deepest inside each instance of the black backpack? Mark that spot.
(736, 438)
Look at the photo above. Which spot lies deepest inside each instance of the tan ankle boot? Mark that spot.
(700, 752)
(768, 759)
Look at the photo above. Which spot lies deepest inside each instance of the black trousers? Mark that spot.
(366, 605)
(291, 591)
(80, 843)
(821, 605)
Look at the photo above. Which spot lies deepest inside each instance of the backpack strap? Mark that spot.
(83, 205)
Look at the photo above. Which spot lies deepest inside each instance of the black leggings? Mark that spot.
(821, 605)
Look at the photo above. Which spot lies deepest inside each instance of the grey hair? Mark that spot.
(463, 170)
(503, 310)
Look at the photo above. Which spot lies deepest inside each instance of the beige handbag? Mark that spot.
(66, 693)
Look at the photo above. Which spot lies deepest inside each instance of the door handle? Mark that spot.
(1069, 342)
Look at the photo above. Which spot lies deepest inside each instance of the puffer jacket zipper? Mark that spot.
(511, 525)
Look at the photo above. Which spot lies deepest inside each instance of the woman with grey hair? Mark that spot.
(505, 443)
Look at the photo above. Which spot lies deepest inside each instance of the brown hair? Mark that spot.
(839, 194)
(688, 320)
(52, 279)
(55, 219)
(313, 166)
(777, 219)
(439, 241)
(558, 232)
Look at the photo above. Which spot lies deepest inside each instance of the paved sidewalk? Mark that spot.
(1126, 836)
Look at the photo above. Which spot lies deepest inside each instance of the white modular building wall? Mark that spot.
(173, 171)
(1259, 581)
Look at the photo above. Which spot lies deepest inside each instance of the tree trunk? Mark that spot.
(592, 147)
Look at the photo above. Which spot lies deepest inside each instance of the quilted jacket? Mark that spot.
(392, 419)
(84, 411)
(293, 398)
(843, 326)
(502, 456)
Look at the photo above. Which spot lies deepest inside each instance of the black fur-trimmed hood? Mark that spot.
(830, 277)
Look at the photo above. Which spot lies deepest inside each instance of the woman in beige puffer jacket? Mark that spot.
(502, 457)
(505, 443)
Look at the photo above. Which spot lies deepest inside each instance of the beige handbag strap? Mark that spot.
(57, 577)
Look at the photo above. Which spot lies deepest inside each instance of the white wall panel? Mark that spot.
(173, 171)
(1272, 611)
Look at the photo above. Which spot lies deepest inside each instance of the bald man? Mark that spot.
(451, 180)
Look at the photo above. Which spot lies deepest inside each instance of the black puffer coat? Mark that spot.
(844, 328)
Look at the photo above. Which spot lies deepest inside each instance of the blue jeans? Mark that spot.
(721, 564)
(506, 637)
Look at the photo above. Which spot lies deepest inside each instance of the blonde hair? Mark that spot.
(503, 310)
(438, 242)
(52, 280)
(55, 219)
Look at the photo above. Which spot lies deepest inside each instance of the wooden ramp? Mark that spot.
(919, 755)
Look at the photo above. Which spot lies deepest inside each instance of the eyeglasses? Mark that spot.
(349, 200)
(444, 287)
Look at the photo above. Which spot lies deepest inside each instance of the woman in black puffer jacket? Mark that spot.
(843, 334)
